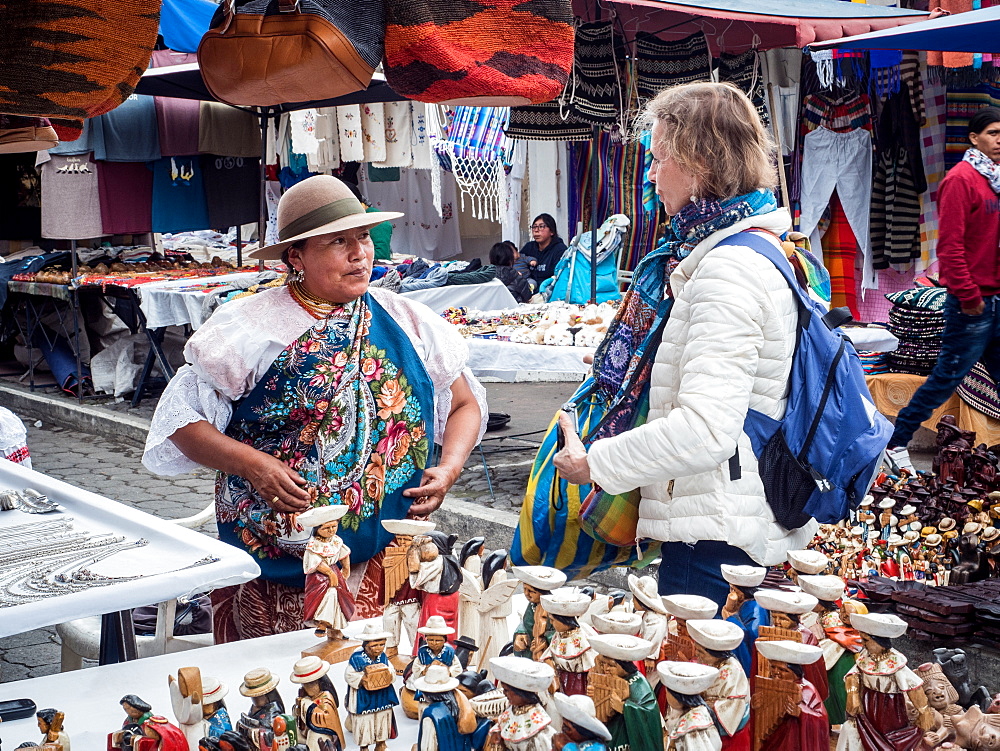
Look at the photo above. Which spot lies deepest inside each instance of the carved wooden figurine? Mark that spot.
(402, 602)
(622, 696)
(257, 725)
(186, 700)
(646, 602)
(678, 646)
(213, 707)
(434, 650)
(136, 712)
(955, 665)
(617, 622)
(581, 730)
(531, 637)
(370, 695)
(942, 700)
(878, 688)
(689, 723)
(742, 609)
(788, 712)
(810, 562)
(436, 573)
(50, 725)
(160, 735)
(569, 650)
(447, 722)
(471, 561)
(525, 725)
(317, 706)
(729, 695)
(492, 603)
(786, 610)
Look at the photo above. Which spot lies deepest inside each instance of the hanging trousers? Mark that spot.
(841, 161)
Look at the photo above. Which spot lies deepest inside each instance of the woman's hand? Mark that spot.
(434, 484)
(277, 483)
(572, 460)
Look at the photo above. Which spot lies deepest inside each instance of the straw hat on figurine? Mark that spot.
(932, 540)
(544, 578)
(828, 588)
(317, 206)
(744, 576)
(212, 690)
(808, 561)
(436, 626)
(258, 682)
(722, 636)
(407, 527)
(792, 603)
(947, 524)
(436, 680)
(793, 652)
(990, 534)
(687, 678)
(580, 711)
(690, 607)
(928, 531)
(886, 625)
(317, 516)
(887, 503)
(309, 669)
(522, 673)
(971, 528)
(617, 622)
(644, 590)
(567, 601)
(373, 633)
(622, 647)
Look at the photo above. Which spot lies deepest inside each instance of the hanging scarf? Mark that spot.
(985, 167)
(648, 301)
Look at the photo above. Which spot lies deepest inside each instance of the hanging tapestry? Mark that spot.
(932, 145)
(962, 105)
(473, 150)
(659, 64)
(546, 122)
(744, 71)
(594, 91)
(840, 249)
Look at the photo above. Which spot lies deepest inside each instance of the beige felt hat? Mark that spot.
(316, 206)
(617, 622)
(722, 636)
(688, 678)
(794, 652)
(437, 680)
(826, 587)
(317, 516)
(989, 534)
(544, 578)
(879, 624)
(522, 673)
(212, 690)
(258, 682)
(372, 633)
(644, 590)
(744, 576)
(689, 607)
(932, 540)
(411, 527)
(908, 509)
(947, 524)
(436, 626)
(621, 646)
(779, 601)
(568, 601)
(808, 561)
(580, 711)
(309, 669)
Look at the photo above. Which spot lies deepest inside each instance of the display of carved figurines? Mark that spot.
(728, 697)
(525, 725)
(490, 597)
(50, 725)
(743, 609)
(622, 696)
(809, 562)
(569, 650)
(942, 699)
(447, 720)
(581, 730)
(647, 603)
(434, 650)
(678, 645)
(370, 694)
(402, 602)
(531, 637)
(786, 610)
(435, 572)
(317, 706)
(878, 688)
(688, 721)
(788, 712)
(329, 604)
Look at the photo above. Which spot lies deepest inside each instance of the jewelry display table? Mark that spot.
(174, 561)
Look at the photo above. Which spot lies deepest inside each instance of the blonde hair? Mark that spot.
(713, 132)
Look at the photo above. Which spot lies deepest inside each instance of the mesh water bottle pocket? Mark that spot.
(787, 483)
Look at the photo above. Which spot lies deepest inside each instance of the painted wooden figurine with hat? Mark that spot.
(729, 695)
(402, 602)
(526, 724)
(261, 687)
(646, 602)
(317, 708)
(788, 712)
(569, 650)
(878, 688)
(370, 695)
(689, 725)
(329, 604)
(186, 700)
(213, 707)
(678, 646)
(622, 696)
(490, 596)
(447, 722)
(581, 730)
(786, 610)
(435, 572)
(532, 636)
(742, 609)
(137, 712)
(434, 650)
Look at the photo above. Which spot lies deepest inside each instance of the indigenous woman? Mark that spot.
(320, 392)
(326, 562)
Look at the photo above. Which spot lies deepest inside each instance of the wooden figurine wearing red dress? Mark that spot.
(688, 721)
(160, 735)
(786, 610)
(877, 691)
(435, 572)
(729, 695)
(569, 651)
(788, 712)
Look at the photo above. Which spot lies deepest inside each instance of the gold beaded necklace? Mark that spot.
(315, 306)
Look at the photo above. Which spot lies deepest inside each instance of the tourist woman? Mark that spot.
(726, 347)
(313, 393)
(544, 249)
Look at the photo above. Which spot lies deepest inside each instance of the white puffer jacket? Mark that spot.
(727, 347)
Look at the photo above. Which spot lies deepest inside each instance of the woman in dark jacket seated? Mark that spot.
(502, 257)
(544, 250)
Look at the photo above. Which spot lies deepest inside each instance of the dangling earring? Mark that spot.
(300, 275)
(694, 198)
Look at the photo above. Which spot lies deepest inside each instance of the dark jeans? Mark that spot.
(696, 569)
(966, 340)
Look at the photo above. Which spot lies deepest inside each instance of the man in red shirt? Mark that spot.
(968, 250)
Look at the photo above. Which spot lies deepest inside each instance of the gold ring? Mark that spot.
(275, 499)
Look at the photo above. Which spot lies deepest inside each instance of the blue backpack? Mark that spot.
(821, 458)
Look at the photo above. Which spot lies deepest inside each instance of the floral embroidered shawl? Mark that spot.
(349, 406)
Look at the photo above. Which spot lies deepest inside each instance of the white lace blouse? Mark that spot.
(234, 349)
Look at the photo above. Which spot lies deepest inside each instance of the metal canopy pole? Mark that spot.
(594, 177)
(262, 217)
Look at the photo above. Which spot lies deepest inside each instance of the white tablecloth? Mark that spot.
(170, 548)
(514, 362)
(490, 296)
(182, 301)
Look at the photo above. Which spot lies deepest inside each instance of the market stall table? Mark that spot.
(511, 362)
(175, 561)
(490, 296)
(181, 302)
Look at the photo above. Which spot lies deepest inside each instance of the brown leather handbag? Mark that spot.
(262, 53)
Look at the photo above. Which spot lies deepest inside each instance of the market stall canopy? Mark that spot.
(185, 82)
(184, 22)
(972, 31)
(750, 23)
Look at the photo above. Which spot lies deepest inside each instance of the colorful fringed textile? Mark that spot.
(744, 71)
(840, 247)
(962, 105)
(849, 111)
(811, 272)
(932, 146)
(593, 93)
(659, 64)
(979, 390)
(619, 191)
(886, 71)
